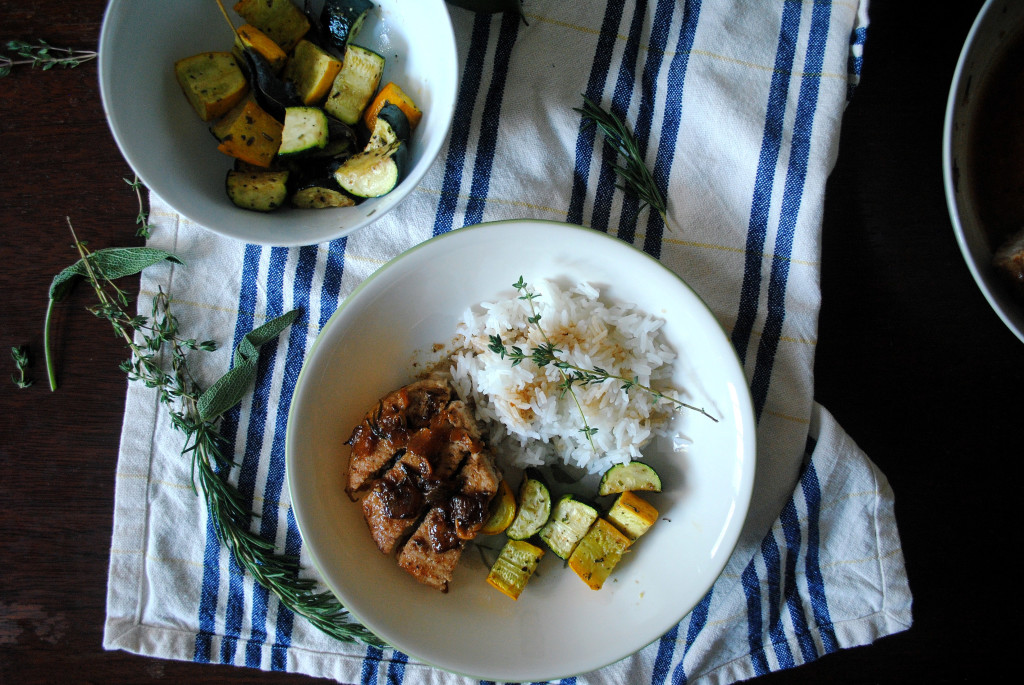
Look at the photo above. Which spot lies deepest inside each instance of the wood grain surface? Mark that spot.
(910, 359)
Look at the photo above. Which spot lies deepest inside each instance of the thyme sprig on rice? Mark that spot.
(571, 374)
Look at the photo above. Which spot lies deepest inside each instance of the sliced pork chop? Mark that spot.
(433, 551)
(384, 430)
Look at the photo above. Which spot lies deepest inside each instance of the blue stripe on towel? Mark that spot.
(285, 618)
(856, 60)
(271, 512)
(371, 661)
(815, 582)
(771, 142)
(459, 137)
(791, 530)
(235, 609)
(666, 647)
(698, 619)
(334, 269)
(607, 179)
(660, 28)
(396, 669)
(488, 138)
(752, 591)
(773, 578)
(792, 194)
(229, 432)
(601, 64)
(671, 120)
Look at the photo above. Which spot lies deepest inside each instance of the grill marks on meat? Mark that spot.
(427, 477)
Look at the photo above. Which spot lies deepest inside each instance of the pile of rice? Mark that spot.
(531, 422)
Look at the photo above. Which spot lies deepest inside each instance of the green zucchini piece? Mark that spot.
(355, 84)
(514, 567)
(634, 475)
(321, 195)
(570, 520)
(261, 191)
(341, 20)
(391, 125)
(534, 509)
(305, 130)
(373, 173)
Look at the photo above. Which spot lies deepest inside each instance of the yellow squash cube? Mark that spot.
(285, 23)
(632, 515)
(212, 81)
(597, 554)
(312, 70)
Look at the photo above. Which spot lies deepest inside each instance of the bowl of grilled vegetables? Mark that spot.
(279, 122)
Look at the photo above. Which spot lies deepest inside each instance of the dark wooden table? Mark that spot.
(910, 359)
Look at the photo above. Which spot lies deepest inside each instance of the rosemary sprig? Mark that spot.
(546, 353)
(636, 177)
(42, 55)
(196, 414)
(20, 357)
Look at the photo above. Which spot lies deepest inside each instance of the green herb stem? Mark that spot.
(159, 360)
(571, 374)
(42, 55)
(636, 177)
(20, 357)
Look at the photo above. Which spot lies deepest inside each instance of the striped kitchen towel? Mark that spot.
(737, 106)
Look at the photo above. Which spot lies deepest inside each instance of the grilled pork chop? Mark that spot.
(426, 475)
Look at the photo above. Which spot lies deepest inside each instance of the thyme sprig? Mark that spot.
(571, 374)
(637, 179)
(145, 229)
(42, 55)
(151, 341)
(20, 357)
(542, 355)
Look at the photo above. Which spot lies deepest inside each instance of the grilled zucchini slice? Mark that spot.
(373, 172)
(514, 567)
(391, 125)
(355, 84)
(570, 520)
(261, 191)
(534, 509)
(341, 21)
(634, 475)
(305, 131)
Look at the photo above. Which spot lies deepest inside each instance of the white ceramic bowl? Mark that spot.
(558, 626)
(172, 150)
(998, 23)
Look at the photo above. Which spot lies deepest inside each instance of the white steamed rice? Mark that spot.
(531, 422)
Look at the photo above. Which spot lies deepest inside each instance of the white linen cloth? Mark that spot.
(737, 104)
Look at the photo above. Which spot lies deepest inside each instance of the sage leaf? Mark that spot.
(111, 263)
(230, 388)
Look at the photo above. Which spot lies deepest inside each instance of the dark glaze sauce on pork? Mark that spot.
(425, 478)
